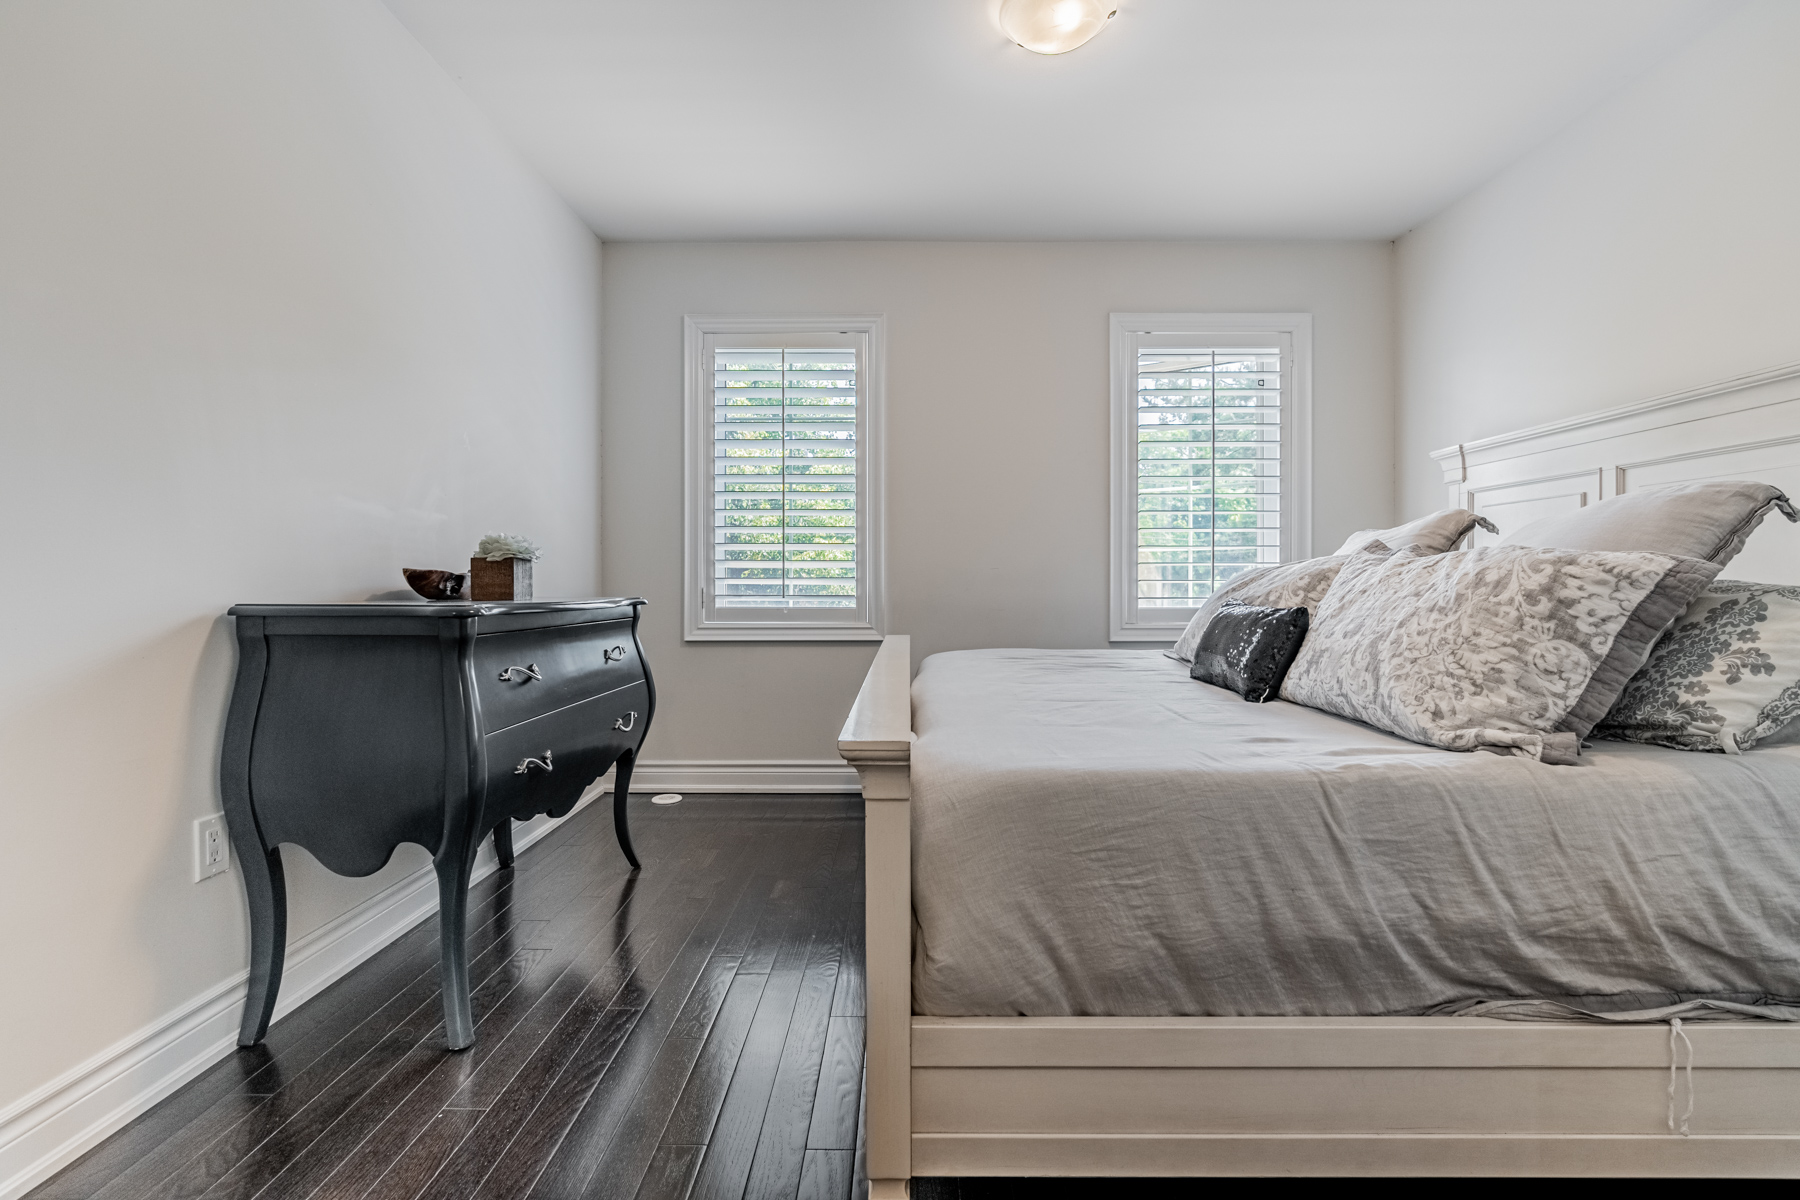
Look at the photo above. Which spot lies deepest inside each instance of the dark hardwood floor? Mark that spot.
(695, 1030)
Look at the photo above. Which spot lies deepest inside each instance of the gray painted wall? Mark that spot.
(278, 316)
(997, 460)
(1652, 246)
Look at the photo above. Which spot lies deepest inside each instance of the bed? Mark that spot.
(1096, 834)
(1157, 931)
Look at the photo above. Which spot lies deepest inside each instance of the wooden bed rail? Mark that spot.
(877, 740)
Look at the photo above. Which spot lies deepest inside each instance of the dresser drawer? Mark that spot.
(535, 671)
(577, 744)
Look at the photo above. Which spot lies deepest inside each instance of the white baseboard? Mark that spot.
(43, 1132)
(742, 775)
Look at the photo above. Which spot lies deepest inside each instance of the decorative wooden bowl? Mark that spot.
(434, 585)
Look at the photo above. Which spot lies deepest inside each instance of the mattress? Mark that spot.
(1095, 834)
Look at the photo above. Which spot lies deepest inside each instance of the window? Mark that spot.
(783, 478)
(1211, 458)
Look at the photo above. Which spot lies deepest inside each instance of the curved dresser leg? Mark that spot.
(265, 886)
(453, 970)
(621, 790)
(503, 847)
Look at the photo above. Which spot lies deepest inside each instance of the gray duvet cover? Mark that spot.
(1095, 834)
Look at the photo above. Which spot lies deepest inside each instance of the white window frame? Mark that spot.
(1129, 333)
(703, 619)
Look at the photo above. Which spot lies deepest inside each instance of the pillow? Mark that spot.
(1725, 676)
(1248, 649)
(1506, 647)
(1282, 585)
(1708, 521)
(1435, 534)
(1786, 735)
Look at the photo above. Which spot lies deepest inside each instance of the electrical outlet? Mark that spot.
(212, 850)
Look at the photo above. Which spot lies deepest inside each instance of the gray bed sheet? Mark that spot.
(1095, 834)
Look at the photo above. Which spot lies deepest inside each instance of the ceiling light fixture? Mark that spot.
(1054, 26)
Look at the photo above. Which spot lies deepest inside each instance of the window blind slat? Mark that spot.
(1208, 470)
(784, 477)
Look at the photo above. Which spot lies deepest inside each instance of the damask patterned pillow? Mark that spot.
(1509, 648)
(1284, 585)
(1725, 676)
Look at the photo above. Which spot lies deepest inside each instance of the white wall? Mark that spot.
(1654, 245)
(997, 401)
(278, 316)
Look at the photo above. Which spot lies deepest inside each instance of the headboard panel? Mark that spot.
(1747, 427)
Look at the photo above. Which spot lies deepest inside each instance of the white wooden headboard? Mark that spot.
(1742, 428)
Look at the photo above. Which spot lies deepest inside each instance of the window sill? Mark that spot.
(784, 633)
(1165, 634)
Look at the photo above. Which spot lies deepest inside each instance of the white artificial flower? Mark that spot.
(496, 546)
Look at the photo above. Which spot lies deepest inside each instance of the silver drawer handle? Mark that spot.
(626, 722)
(612, 655)
(528, 671)
(525, 764)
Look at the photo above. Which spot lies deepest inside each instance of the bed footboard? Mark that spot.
(877, 740)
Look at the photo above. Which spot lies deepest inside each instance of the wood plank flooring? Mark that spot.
(691, 1031)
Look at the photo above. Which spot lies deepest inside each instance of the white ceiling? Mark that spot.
(711, 119)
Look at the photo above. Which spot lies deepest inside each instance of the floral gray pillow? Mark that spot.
(1283, 585)
(1724, 677)
(1509, 648)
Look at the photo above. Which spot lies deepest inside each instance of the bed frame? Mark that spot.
(1372, 1096)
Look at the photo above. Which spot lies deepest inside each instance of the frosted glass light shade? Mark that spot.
(1054, 26)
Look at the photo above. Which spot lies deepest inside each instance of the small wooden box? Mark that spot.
(506, 579)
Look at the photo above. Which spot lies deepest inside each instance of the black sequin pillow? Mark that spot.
(1248, 649)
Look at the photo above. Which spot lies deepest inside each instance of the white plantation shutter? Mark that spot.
(784, 478)
(1208, 469)
(1211, 461)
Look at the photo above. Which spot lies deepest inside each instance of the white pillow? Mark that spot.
(1436, 534)
(1284, 585)
(1708, 520)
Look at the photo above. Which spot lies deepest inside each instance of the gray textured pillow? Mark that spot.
(1508, 647)
(1723, 678)
(1708, 521)
(1435, 534)
(1284, 585)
